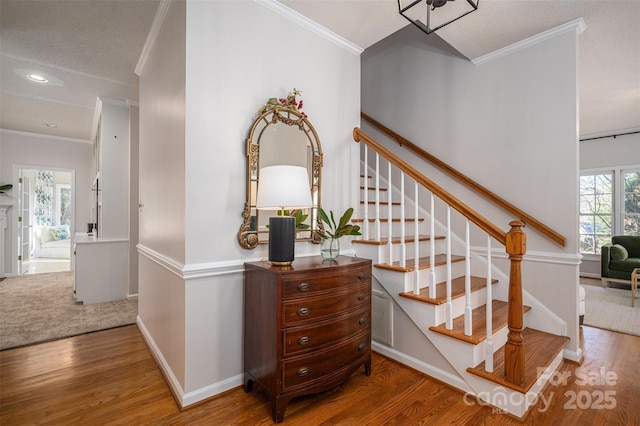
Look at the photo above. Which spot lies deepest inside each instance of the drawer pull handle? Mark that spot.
(303, 312)
(362, 321)
(362, 275)
(304, 340)
(303, 371)
(361, 346)
(304, 287)
(361, 296)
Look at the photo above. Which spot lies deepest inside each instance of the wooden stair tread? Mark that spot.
(373, 189)
(540, 349)
(457, 290)
(393, 203)
(387, 220)
(499, 317)
(423, 263)
(396, 240)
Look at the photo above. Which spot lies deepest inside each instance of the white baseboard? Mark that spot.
(575, 356)
(212, 390)
(589, 275)
(170, 378)
(185, 399)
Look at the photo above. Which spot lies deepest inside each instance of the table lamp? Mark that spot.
(279, 188)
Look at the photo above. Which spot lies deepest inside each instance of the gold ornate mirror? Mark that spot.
(281, 135)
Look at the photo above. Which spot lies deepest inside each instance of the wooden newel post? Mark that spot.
(514, 348)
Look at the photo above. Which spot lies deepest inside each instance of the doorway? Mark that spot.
(44, 218)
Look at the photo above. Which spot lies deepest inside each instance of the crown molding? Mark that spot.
(161, 13)
(44, 136)
(577, 25)
(312, 26)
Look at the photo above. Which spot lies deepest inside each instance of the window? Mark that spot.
(607, 208)
(596, 211)
(631, 210)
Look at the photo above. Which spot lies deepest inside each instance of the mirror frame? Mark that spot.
(247, 237)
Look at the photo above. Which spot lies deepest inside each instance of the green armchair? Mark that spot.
(619, 258)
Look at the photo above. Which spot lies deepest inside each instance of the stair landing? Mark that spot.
(540, 349)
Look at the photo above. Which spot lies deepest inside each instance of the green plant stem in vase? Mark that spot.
(330, 247)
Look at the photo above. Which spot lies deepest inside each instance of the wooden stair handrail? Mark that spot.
(469, 213)
(522, 216)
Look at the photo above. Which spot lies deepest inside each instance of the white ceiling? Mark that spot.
(91, 47)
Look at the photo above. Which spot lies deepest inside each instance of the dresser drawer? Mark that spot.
(303, 285)
(305, 369)
(297, 311)
(310, 337)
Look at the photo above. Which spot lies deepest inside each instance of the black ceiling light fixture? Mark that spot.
(431, 15)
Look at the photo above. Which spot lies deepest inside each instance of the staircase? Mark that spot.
(495, 347)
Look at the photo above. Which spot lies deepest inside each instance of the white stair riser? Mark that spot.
(478, 298)
(396, 210)
(463, 354)
(396, 228)
(370, 251)
(424, 249)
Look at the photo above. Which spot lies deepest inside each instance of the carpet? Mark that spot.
(610, 309)
(41, 307)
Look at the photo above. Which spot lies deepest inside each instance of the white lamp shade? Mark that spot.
(283, 187)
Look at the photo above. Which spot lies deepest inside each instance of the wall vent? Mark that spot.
(382, 318)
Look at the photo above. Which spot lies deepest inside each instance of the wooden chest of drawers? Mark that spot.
(307, 327)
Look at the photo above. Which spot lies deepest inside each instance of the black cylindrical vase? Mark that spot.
(282, 239)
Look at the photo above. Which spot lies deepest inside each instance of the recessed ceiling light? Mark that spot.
(52, 125)
(37, 78)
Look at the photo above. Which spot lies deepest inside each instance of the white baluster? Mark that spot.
(416, 244)
(467, 284)
(432, 250)
(366, 194)
(377, 197)
(390, 214)
(448, 306)
(403, 247)
(488, 346)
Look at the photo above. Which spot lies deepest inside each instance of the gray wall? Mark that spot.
(510, 124)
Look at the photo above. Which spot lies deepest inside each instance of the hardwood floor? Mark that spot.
(109, 377)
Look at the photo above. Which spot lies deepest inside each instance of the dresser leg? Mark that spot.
(367, 368)
(248, 384)
(278, 405)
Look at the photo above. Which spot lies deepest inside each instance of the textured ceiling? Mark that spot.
(90, 48)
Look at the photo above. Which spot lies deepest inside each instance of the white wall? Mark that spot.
(210, 70)
(610, 152)
(511, 124)
(34, 150)
(603, 154)
(161, 308)
(134, 140)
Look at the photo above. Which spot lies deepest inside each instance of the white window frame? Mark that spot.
(618, 197)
